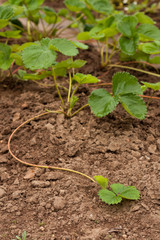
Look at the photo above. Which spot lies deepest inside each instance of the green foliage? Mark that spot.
(83, 79)
(102, 181)
(154, 86)
(126, 90)
(119, 191)
(64, 46)
(5, 56)
(39, 56)
(101, 102)
(101, 6)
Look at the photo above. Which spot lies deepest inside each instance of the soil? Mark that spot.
(57, 205)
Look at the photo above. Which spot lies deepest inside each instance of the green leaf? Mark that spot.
(124, 83)
(83, 79)
(109, 32)
(150, 48)
(11, 34)
(18, 58)
(101, 6)
(128, 45)
(128, 192)
(134, 105)
(155, 60)
(127, 26)
(73, 101)
(83, 36)
(39, 56)
(142, 18)
(102, 181)
(154, 86)
(6, 12)
(80, 45)
(5, 56)
(34, 5)
(74, 6)
(69, 63)
(64, 46)
(109, 197)
(149, 32)
(35, 76)
(102, 102)
(3, 23)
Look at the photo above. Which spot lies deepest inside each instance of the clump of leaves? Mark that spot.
(135, 37)
(125, 90)
(35, 14)
(7, 13)
(119, 191)
(24, 235)
(46, 52)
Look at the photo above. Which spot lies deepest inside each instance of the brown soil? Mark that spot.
(59, 205)
(56, 205)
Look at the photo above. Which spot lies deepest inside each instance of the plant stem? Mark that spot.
(135, 69)
(59, 94)
(70, 86)
(106, 59)
(102, 55)
(41, 166)
(79, 110)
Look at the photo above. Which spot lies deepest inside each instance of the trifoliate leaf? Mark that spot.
(102, 181)
(128, 45)
(39, 56)
(74, 6)
(128, 192)
(64, 46)
(6, 12)
(80, 45)
(154, 86)
(101, 6)
(83, 79)
(5, 56)
(134, 105)
(102, 102)
(142, 18)
(149, 32)
(127, 26)
(109, 197)
(123, 83)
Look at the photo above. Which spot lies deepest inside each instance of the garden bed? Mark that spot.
(60, 205)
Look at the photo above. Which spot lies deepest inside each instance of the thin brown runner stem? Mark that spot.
(35, 165)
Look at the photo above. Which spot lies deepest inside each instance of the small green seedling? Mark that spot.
(24, 235)
(119, 191)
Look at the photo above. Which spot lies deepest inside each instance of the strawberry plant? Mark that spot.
(36, 14)
(7, 13)
(125, 90)
(135, 37)
(46, 52)
(119, 191)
